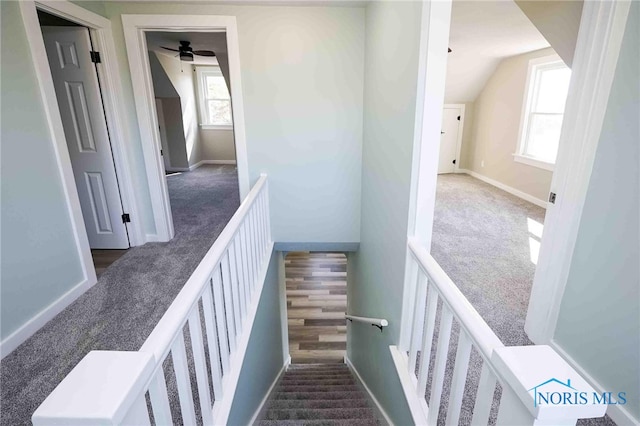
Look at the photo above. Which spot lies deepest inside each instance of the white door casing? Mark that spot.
(78, 94)
(134, 28)
(449, 141)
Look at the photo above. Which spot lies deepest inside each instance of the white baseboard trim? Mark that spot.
(203, 162)
(256, 415)
(364, 384)
(618, 413)
(151, 238)
(530, 198)
(16, 338)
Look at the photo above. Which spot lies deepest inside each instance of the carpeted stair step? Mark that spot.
(317, 395)
(320, 372)
(317, 388)
(331, 381)
(319, 403)
(335, 422)
(319, 414)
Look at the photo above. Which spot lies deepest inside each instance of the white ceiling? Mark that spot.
(216, 41)
(482, 34)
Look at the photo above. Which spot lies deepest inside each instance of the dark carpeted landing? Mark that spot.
(319, 394)
(131, 296)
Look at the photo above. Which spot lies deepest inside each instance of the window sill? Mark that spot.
(530, 161)
(216, 126)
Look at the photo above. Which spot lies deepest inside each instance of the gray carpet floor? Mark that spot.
(131, 296)
(481, 239)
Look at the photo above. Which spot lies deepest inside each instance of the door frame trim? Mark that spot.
(111, 90)
(462, 109)
(134, 27)
(602, 28)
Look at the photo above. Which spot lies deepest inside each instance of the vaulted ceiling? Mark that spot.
(482, 34)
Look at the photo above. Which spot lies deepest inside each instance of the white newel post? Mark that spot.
(541, 388)
(105, 388)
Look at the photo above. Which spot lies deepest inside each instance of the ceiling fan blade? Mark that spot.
(203, 53)
(168, 48)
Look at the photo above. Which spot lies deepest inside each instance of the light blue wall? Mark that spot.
(376, 272)
(264, 358)
(302, 77)
(599, 323)
(39, 262)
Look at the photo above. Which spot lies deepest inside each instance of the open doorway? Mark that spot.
(505, 95)
(191, 86)
(316, 289)
(72, 61)
(218, 34)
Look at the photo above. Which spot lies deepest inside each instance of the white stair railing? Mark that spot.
(218, 304)
(435, 301)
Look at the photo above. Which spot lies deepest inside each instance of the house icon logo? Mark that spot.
(539, 396)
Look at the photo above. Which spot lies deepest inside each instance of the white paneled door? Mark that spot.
(449, 140)
(78, 92)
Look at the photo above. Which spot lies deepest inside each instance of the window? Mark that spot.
(547, 87)
(215, 101)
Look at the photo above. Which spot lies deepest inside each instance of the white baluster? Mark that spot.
(441, 361)
(181, 369)
(241, 279)
(160, 399)
(418, 322)
(263, 240)
(246, 263)
(228, 301)
(484, 396)
(197, 345)
(212, 342)
(459, 378)
(235, 287)
(252, 245)
(266, 193)
(427, 340)
(220, 320)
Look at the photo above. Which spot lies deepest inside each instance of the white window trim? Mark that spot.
(200, 71)
(532, 161)
(519, 156)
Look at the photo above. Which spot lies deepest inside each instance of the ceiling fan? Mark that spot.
(186, 52)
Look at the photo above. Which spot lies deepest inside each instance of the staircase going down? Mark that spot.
(319, 394)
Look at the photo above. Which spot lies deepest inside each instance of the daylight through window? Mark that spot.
(544, 110)
(215, 102)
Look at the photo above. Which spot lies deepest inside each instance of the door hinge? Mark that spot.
(161, 152)
(95, 57)
(454, 161)
(552, 197)
(126, 218)
(459, 118)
